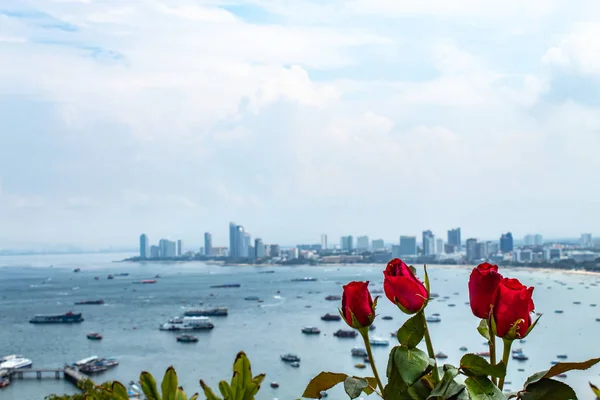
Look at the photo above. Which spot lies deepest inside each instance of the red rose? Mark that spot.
(512, 304)
(403, 288)
(483, 284)
(357, 303)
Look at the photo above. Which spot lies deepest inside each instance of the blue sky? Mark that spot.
(293, 118)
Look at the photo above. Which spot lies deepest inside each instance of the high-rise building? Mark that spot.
(396, 251)
(323, 241)
(347, 243)
(439, 246)
(167, 248)
(552, 254)
(482, 251)
(233, 242)
(207, 244)
(454, 238)
(538, 239)
(245, 242)
(362, 243)
(239, 241)
(449, 248)
(251, 252)
(428, 243)
(259, 248)
(179, 248)
(471, 249)
(154, 252)
(274, 250)
(586, 240)
(378, 244)
(144, 246)
(506, 242)
(492, 248)
(408, 245)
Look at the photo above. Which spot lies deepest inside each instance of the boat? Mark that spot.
(433, 318)
(305, 279)
(577, 302)
(483, 354)
(157, 276)
(85, 361)
(516, 351)
(94, 336)
(561, 375)
(360, 365)
(227, 285)
(331, 317)
(187, 324)
(295, 364)
(378, 341)
(554, 362)
(123, 274)
(394, 334)
(441, 356)
(434, 295)
(451, 305)
(377, 291)
(311, 330)
(558, 311)
(207, 312)
(387, 317)
(358, 352)
(562, 356)
(110, 277)
(463, 348)
(252, 298)
(270, 271)
(77, 270)
(110, 362)
(520, 357)
(187, 338)
(342, 333)
(68, 318)
(332, 297)
(147, 281)
(15, 362)
(592, 305)
(289, 357)
(93, 368)
(274, 385)
(96, 278)
(436, 314)
(134, 391)
(89, 302)
(372, 327)
(4, 382)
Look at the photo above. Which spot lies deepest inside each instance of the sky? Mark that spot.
(296, 118)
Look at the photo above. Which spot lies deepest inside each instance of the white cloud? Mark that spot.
(579, 51)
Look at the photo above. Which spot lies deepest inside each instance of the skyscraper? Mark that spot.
(239, 241)
(154, 252)
(439, 246)
(482, 251)
(347, 243)
(586, 240)
(233, 244)
(179, 248)
(259, 248)
(244, 241)
(471, 249)
(454, 237)
(207, 244)
(538, 239)
(377, 244)
(274, 250)
(428, 243)
(323, 241)
(408, 245)
(144, 246)
(506, 242)
(528, 240)
(362, 243)
(167, 248)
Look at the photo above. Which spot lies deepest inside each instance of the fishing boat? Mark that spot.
(558, 311)
(274, 385)
(94, 336)
(110, 277)
(77, 270)
(187, 338)
(344, 333)
(562, 356)
(68, 318)
(387, 318)
(433, 318)
(520, 357)
(378, 341)
(360, 365)
(289, 357)
(207, 312)
(252, 298)
(463, 348)
(358, 352)
(305, 279)
(333, 297)
(441, 355)
(331, 317)
(89, 302)
(311, 330)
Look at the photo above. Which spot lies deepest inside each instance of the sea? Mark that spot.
(131, 315)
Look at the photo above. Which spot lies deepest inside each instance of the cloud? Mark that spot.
(297, 117)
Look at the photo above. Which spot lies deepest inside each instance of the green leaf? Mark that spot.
(194, 397)
(372, 385)
(561, 368)
(119, 392)
(321, 382)
(411, 333)
(595, 390)
(258, 379)
(481, 388)
(354, 386)
(210, 395)
(225, 390)
(447, 388)
(484, 329)
(169, 384)
(149, 386)
(180, 395)
(548, 389)
(411, 364)
(427, 286)
(532, 326)
(474, 365)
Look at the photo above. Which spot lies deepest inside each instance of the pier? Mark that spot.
(68, 373)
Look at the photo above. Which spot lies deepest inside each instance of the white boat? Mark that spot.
(377, 341)
(187, 324)
(15, 362)
(86, 361)
(434, 318)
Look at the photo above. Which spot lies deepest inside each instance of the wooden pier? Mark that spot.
(70, 374)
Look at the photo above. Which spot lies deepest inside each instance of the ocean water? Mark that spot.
(130, 318)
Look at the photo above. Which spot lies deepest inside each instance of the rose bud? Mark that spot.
(358, 308)
(483, 283)
(403, 288)
(513, 305)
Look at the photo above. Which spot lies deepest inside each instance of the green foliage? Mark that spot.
(561, 368)
(474, 365)
(411, 333)
(242, 387)
(481, 388)
(89, 392)
(547, 389)
(169, 388)
(596, 390)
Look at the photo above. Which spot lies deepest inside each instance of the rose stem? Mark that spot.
(365, 335)
(505, 358)
(436, 376)
(492, 345)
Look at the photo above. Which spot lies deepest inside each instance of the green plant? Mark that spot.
(242, 387)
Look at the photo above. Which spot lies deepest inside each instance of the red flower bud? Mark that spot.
(483, 283)
(512, 305)
(358, 308)
(403, 288)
